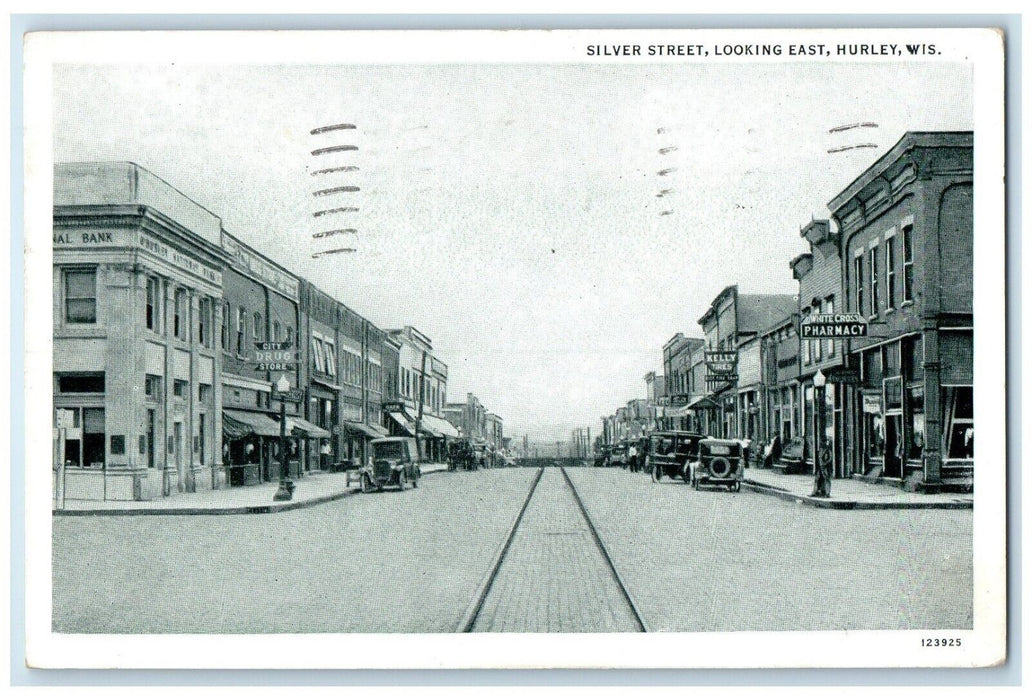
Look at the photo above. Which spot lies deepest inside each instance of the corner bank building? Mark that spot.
(137, 281)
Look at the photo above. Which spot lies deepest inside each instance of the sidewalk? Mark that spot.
(312, 489)
(848, 494)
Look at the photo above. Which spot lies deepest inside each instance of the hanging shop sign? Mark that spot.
(275, 357)
(841, 375)
(721, 366)
(833, 326)
(872, 403)
(291, 396)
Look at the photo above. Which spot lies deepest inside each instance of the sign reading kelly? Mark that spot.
(833, 326)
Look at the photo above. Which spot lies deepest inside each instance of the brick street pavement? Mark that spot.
(384, 562)
(554, 578)
(712, 560)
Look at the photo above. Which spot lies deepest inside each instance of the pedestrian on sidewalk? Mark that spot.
(822, 470)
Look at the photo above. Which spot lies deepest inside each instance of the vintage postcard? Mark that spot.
(521, 349)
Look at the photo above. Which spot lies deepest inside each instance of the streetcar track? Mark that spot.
(605, 553)
(469, 620)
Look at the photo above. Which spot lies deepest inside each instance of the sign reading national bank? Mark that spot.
(833, 326)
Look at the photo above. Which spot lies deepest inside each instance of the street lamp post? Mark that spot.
(821, 448)
(286, 486)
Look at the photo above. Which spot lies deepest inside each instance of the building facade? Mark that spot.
(906, 246)
(819, 273)
(732, 319)
(137, 288)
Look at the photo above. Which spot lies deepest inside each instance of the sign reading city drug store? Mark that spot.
(833, 326)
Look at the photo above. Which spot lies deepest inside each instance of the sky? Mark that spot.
(510, 212)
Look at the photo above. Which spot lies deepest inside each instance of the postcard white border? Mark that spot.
(984, 645)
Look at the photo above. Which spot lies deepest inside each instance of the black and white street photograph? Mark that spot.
(368, 336)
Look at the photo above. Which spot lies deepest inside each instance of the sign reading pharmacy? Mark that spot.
(833, 326)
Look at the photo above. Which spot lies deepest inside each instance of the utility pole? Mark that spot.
(419, 411)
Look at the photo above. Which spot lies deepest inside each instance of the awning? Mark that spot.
(403, 422)
(441, 426)
(364, 429)
(704, 401)
(311, 429)
(237, 424)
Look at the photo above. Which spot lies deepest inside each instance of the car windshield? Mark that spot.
(390, 450)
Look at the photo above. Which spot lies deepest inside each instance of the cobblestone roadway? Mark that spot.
(383, 562)
(711, 560)
(554, 578)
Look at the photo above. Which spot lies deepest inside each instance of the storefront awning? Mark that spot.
(311, 429)
(369, 431)
(403, 423)
(441, 426)
(236, 424)
(704, 401)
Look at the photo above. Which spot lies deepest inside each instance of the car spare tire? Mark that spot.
(720, 467)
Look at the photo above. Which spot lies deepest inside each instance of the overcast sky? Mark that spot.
(509, 212)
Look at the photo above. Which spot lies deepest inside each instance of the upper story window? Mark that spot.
(858, 277)
(317, 355)
(241, 330)
(259, 328)
(331, 360)
(872, 258)
(890, 273)
(179, 387)
(204, 322)
(829, 308)
(276, 331)
(153, 304)
(908, 263)
(179, 315)
(807, 344)
(152, 387)
(80, 296)
(290, 335)
(225, 326)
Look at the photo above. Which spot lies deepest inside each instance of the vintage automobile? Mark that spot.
(602, 457)
(719, 462)
(793, 457)
(618, 455)
(670, 454)
(394, 463)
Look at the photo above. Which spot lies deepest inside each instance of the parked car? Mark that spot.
(793, 457)
(618, 455)
(670, 454)
(393, 464)
(602, 457)
(719, 462)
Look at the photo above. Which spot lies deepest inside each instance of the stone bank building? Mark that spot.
(137, 280)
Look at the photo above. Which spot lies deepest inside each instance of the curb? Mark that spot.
(229, 510)
(758, 487)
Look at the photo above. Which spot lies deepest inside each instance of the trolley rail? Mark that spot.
(469, 620)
